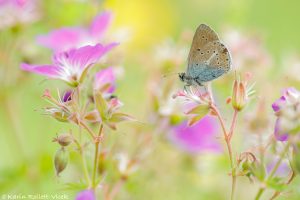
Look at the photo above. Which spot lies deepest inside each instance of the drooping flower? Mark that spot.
(71, 66)
(86, 195)
(74, 37)
(198, 138)
(287, 110)
(105, 81)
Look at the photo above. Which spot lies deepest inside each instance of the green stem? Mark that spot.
(259, 193)
(97, 141)
(262, 189)
(85, 169)
(83, 161)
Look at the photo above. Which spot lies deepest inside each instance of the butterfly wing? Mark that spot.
(208, 57)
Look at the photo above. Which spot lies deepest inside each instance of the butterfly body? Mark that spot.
(208, 58)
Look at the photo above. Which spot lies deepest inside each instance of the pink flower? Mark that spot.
(287, 110)
(71, 66)
(86, 195)
(14, 12)
(200, 137)
(74, 37)
(105, 81)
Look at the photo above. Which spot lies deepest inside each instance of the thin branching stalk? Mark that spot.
(116, 188)
(97, 141)
(227, 137)
(277, 193)
(262, 189)
(83, 161)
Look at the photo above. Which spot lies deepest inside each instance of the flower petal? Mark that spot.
(86, 195)
(278, 135)
(47, 70)
(87, 55)
(62, 39)
(198, 138)
(100, 24)
(103, 78)
(276, 105)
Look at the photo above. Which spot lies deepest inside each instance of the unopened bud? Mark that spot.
(61, 160)
(63, 139)
(239, 95)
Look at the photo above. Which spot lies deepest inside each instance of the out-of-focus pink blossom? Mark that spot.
(202, 137)
(14, 12)
(283, 169)
(74, 37)
(287, 110)
(71, 66)
(105, 80)
(247, 50)
(86, 195)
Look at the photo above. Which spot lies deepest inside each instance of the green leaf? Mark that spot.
(277, 184)
(201, 110)
(101, 105)
(120, 117)
(194, 120)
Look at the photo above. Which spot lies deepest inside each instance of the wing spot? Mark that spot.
(225, 50)
(198, 49)
(208, 51)
(218, 63)
(202, 53)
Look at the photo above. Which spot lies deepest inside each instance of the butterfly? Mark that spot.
(208, 58)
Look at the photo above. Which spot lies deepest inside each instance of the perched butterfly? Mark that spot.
(208, 58)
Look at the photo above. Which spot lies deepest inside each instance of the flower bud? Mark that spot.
(61, 160)
(63, 139)
(239, 95)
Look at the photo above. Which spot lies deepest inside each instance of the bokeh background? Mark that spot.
(26, 150)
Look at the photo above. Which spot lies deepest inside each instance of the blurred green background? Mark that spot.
(26, 149)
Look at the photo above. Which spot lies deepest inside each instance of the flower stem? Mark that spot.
(116, 189)
(227, 137)
(277, 193)
(97, 141)
(259, 193)
(83, 162)
(262, 189)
